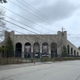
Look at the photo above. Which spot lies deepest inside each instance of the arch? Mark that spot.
(71, 51)
(36, 49)
(53, 49)
(68, 49)
(77, 53)
(18, 50)
(45, 48)
(27, 50)
(74, 52)
(3, 52)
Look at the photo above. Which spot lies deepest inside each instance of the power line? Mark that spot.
(26, 18)
(35, 10)
(38, 12)
(25, 29)
(74, 35)
(19, 26)
(23, 4)
(14, 30)
(31, 31)
(28, 11)
(22, 23)
(30, 6)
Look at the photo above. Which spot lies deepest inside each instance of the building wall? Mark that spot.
(60, 39)
(74, 49)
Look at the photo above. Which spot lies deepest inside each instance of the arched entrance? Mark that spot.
(18, 50)
(77, 54)
(68, 48)
(36, 49)
(3, 54)
(45, 49)
(27, 49)
(74, 52)
(53, 49)
(71, 51)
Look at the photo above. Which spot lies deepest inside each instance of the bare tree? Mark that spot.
(2, 24)
(3, 1)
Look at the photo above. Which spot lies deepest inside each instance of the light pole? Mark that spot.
(54, 56)
(34, 58)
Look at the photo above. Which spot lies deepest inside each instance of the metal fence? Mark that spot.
(33, 57)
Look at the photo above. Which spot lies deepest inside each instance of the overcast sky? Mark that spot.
(45, 17)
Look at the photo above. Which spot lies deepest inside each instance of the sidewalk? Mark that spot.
(12, 66)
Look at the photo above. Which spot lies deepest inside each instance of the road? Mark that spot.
(66, 70)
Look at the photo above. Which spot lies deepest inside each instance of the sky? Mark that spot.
(44, 17)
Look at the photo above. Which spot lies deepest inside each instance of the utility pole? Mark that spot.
(34, 58)
(54, 56)
(61, 44)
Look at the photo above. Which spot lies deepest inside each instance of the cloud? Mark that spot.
(64, 12)
(55, 11)
(60, 10)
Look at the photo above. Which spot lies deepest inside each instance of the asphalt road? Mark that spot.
(66, 70)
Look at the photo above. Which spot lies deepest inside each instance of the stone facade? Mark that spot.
(43, 43)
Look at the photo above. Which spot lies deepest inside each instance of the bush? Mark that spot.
(47, 59)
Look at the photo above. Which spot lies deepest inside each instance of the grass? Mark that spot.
(4, 61)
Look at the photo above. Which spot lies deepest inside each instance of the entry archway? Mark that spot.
(3, 52)
(36, 49)
(18, 49)
(71, 51)
(68, 48)
(74, 52)
(45, 47)
(27, 50)
(53, 49)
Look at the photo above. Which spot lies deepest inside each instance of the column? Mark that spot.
(49, 50)
(31, 50)
(70, 50)
(22, 50)
(40, 48)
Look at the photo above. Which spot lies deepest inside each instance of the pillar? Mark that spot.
(31, 50)
(49, 50)
(40, 48)
(22, 50)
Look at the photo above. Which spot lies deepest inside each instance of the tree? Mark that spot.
(64, 51)
(9, 47)
(3, 1)
(2, 24)
(2, 49)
